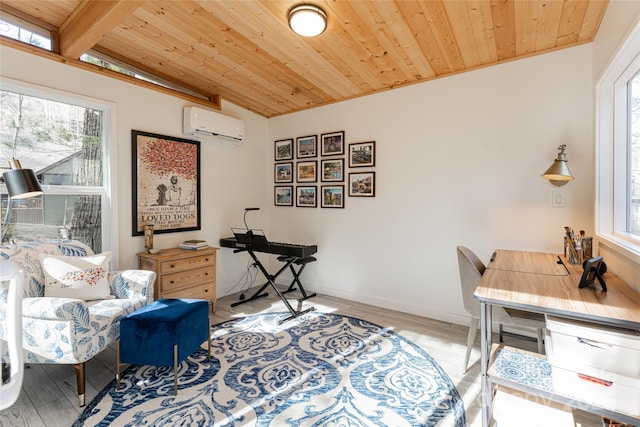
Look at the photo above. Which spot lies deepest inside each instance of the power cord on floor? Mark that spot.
(247, 280)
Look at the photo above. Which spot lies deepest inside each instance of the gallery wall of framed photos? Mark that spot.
(309, 171)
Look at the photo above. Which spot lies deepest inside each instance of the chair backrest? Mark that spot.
(25, 253)
(471, 271)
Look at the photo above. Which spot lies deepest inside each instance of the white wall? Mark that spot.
(228, 173)
(458, 162)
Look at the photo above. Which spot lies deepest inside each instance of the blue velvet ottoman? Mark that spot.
(163, 333)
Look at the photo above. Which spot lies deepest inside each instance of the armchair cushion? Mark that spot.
(76, 277)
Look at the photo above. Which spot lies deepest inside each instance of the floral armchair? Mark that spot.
(67, 330)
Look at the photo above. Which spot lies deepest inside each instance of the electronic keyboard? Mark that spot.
(277, 248)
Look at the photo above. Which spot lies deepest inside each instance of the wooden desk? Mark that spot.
(537, 282)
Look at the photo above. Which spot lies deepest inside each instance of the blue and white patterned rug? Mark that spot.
(317, 370)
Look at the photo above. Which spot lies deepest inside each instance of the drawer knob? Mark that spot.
(206, 274)
(206, 259)
(173, 266)
(172, 282)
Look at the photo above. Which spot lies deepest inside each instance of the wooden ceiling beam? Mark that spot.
(89, 23)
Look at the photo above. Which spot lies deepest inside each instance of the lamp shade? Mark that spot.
(307, 20)
(22, 183)
(559, 173)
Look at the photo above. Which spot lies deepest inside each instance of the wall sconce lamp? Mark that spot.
(21, 184)
(307, 20)
(559, 173)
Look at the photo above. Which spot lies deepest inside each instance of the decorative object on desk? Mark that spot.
(283, 195)
(332, 170)
(283, 149)
(594, 268)
(362, 154)
(332, 196)
(318, 369)
(332, 144)
(306, 171)
(558, 173)
(148, 237)
(306, 196)
(362, 184)
(155, 251)
(573, 246)
(283, 172)
(306, 146)
(166, 183)
(587, 247)
(21, 184)
(307, 20)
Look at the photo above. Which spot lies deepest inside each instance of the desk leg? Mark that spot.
(485, 351)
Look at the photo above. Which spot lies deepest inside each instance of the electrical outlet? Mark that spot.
(558, 199)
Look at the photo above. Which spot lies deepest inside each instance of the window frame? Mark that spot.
(108, 191)
(612, 154)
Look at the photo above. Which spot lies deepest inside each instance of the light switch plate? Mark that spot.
(558, 199)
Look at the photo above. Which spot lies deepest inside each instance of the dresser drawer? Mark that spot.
(182, 264)
(202, 291)
(185, 279)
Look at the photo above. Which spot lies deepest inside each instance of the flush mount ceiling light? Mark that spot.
(307, 20)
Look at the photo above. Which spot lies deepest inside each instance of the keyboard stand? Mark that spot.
(271, 281)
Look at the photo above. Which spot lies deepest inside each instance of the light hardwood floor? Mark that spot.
(49, 398)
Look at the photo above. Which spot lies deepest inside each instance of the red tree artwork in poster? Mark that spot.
(167, 183)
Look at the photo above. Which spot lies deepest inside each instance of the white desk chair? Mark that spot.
(471, 271)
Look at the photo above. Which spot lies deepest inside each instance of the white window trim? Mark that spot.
(110, 206)
(610, 224)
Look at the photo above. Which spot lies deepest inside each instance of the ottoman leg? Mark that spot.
(117, 364)
(209, 337)
(175, 369)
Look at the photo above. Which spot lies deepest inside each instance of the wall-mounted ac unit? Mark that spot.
(211, 125)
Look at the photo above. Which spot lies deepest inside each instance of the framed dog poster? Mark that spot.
(166, 183)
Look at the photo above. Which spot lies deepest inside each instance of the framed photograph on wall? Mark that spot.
(362, 154)
(283, 195)
(362, 184)
(283, 172)
(332, 144)
(166, 183)
(306, 146)
(283, 149)
(332, 170)
(307, 171)
(332, 196)
(306, 196)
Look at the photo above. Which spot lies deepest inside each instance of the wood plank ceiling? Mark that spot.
(245, 52)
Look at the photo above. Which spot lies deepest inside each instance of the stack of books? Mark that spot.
(193, 245)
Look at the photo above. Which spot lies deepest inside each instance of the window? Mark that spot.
(618, 149)
(63, 139)
(25, 31)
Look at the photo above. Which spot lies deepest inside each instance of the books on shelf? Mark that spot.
(194, 244)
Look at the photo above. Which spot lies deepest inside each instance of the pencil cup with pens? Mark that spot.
(577, 247)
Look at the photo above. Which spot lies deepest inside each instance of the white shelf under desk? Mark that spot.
(530, 373)
(547, 283)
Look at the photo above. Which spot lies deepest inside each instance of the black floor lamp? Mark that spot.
(21, 184)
